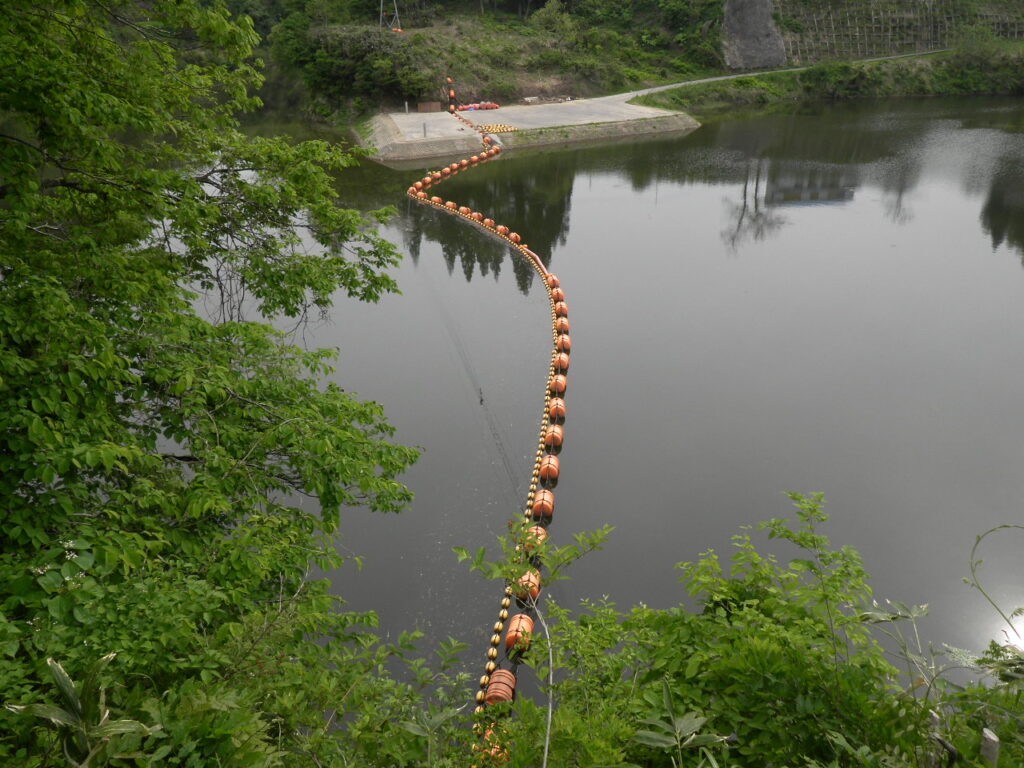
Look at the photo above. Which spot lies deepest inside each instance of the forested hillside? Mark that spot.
(497, 50)
(351, 60)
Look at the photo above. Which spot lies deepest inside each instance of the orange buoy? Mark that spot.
(502, 229)
(563, 343)
(463, 163)
(489, 223)
(562, 362)
(488, 140)
(474, 159)
(476, 216)
(556, 409)
(446, 171)
(520, 627)
(527, 585)
(451, 204)
(436, 199)
(451, 108)
(554, 436)
(557, 294)
(427, 181)
(496, 150)
(535, 536)
(450, 81)
(451, 93)
(561, 309)
(499, 754)
(436, 175)
(558, 384)
(421, 195)
(562, 324)
(502, 686)
(411, 190)
(553, 280)
(514, 237)
(418, 185)
(549, 468)
(454, 166)
(543, 505)
(464, 210)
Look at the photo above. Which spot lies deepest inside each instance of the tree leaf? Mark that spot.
(657, 740)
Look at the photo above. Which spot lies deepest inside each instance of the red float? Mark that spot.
(543, 505)
(514, 237)
(477, 216)
(464, 210)
(535, 536)
(562, 324)
(451, 204)
(561, 309)
(558, 384)
(556, 409)
(436, 199)
(553, 280)
(554, 436)
(561, 362)
(421, 195)
(557, 294)
(549, 468)
(520, 627)
(502, 229)
(528, 585)
(489, 223)
(502, 687)
(563, 343)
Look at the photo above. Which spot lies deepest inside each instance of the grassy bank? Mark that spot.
(996, 68)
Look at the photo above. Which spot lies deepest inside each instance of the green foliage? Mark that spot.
(85, 731)
(996, 70)
(345, 61)
(773, 634)
(156, 437)
(556, 48)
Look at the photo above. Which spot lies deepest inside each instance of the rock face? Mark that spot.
(750, 37)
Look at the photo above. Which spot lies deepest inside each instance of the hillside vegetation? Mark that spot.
(351, 61)
(977, 67)
(498, 51)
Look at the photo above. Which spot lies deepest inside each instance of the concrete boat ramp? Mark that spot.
(401, 139)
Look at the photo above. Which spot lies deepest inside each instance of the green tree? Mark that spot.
(157, 433)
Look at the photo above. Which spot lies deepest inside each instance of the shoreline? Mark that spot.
(402, 140)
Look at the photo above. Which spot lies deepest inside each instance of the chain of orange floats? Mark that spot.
(498, 683)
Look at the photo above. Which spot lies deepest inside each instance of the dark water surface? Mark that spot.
(830, 301)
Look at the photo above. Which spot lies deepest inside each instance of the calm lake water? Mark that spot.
(829, 300)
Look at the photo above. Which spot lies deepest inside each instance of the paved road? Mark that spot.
(604, 109)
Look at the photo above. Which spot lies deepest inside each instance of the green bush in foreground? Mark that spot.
(783, 658)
